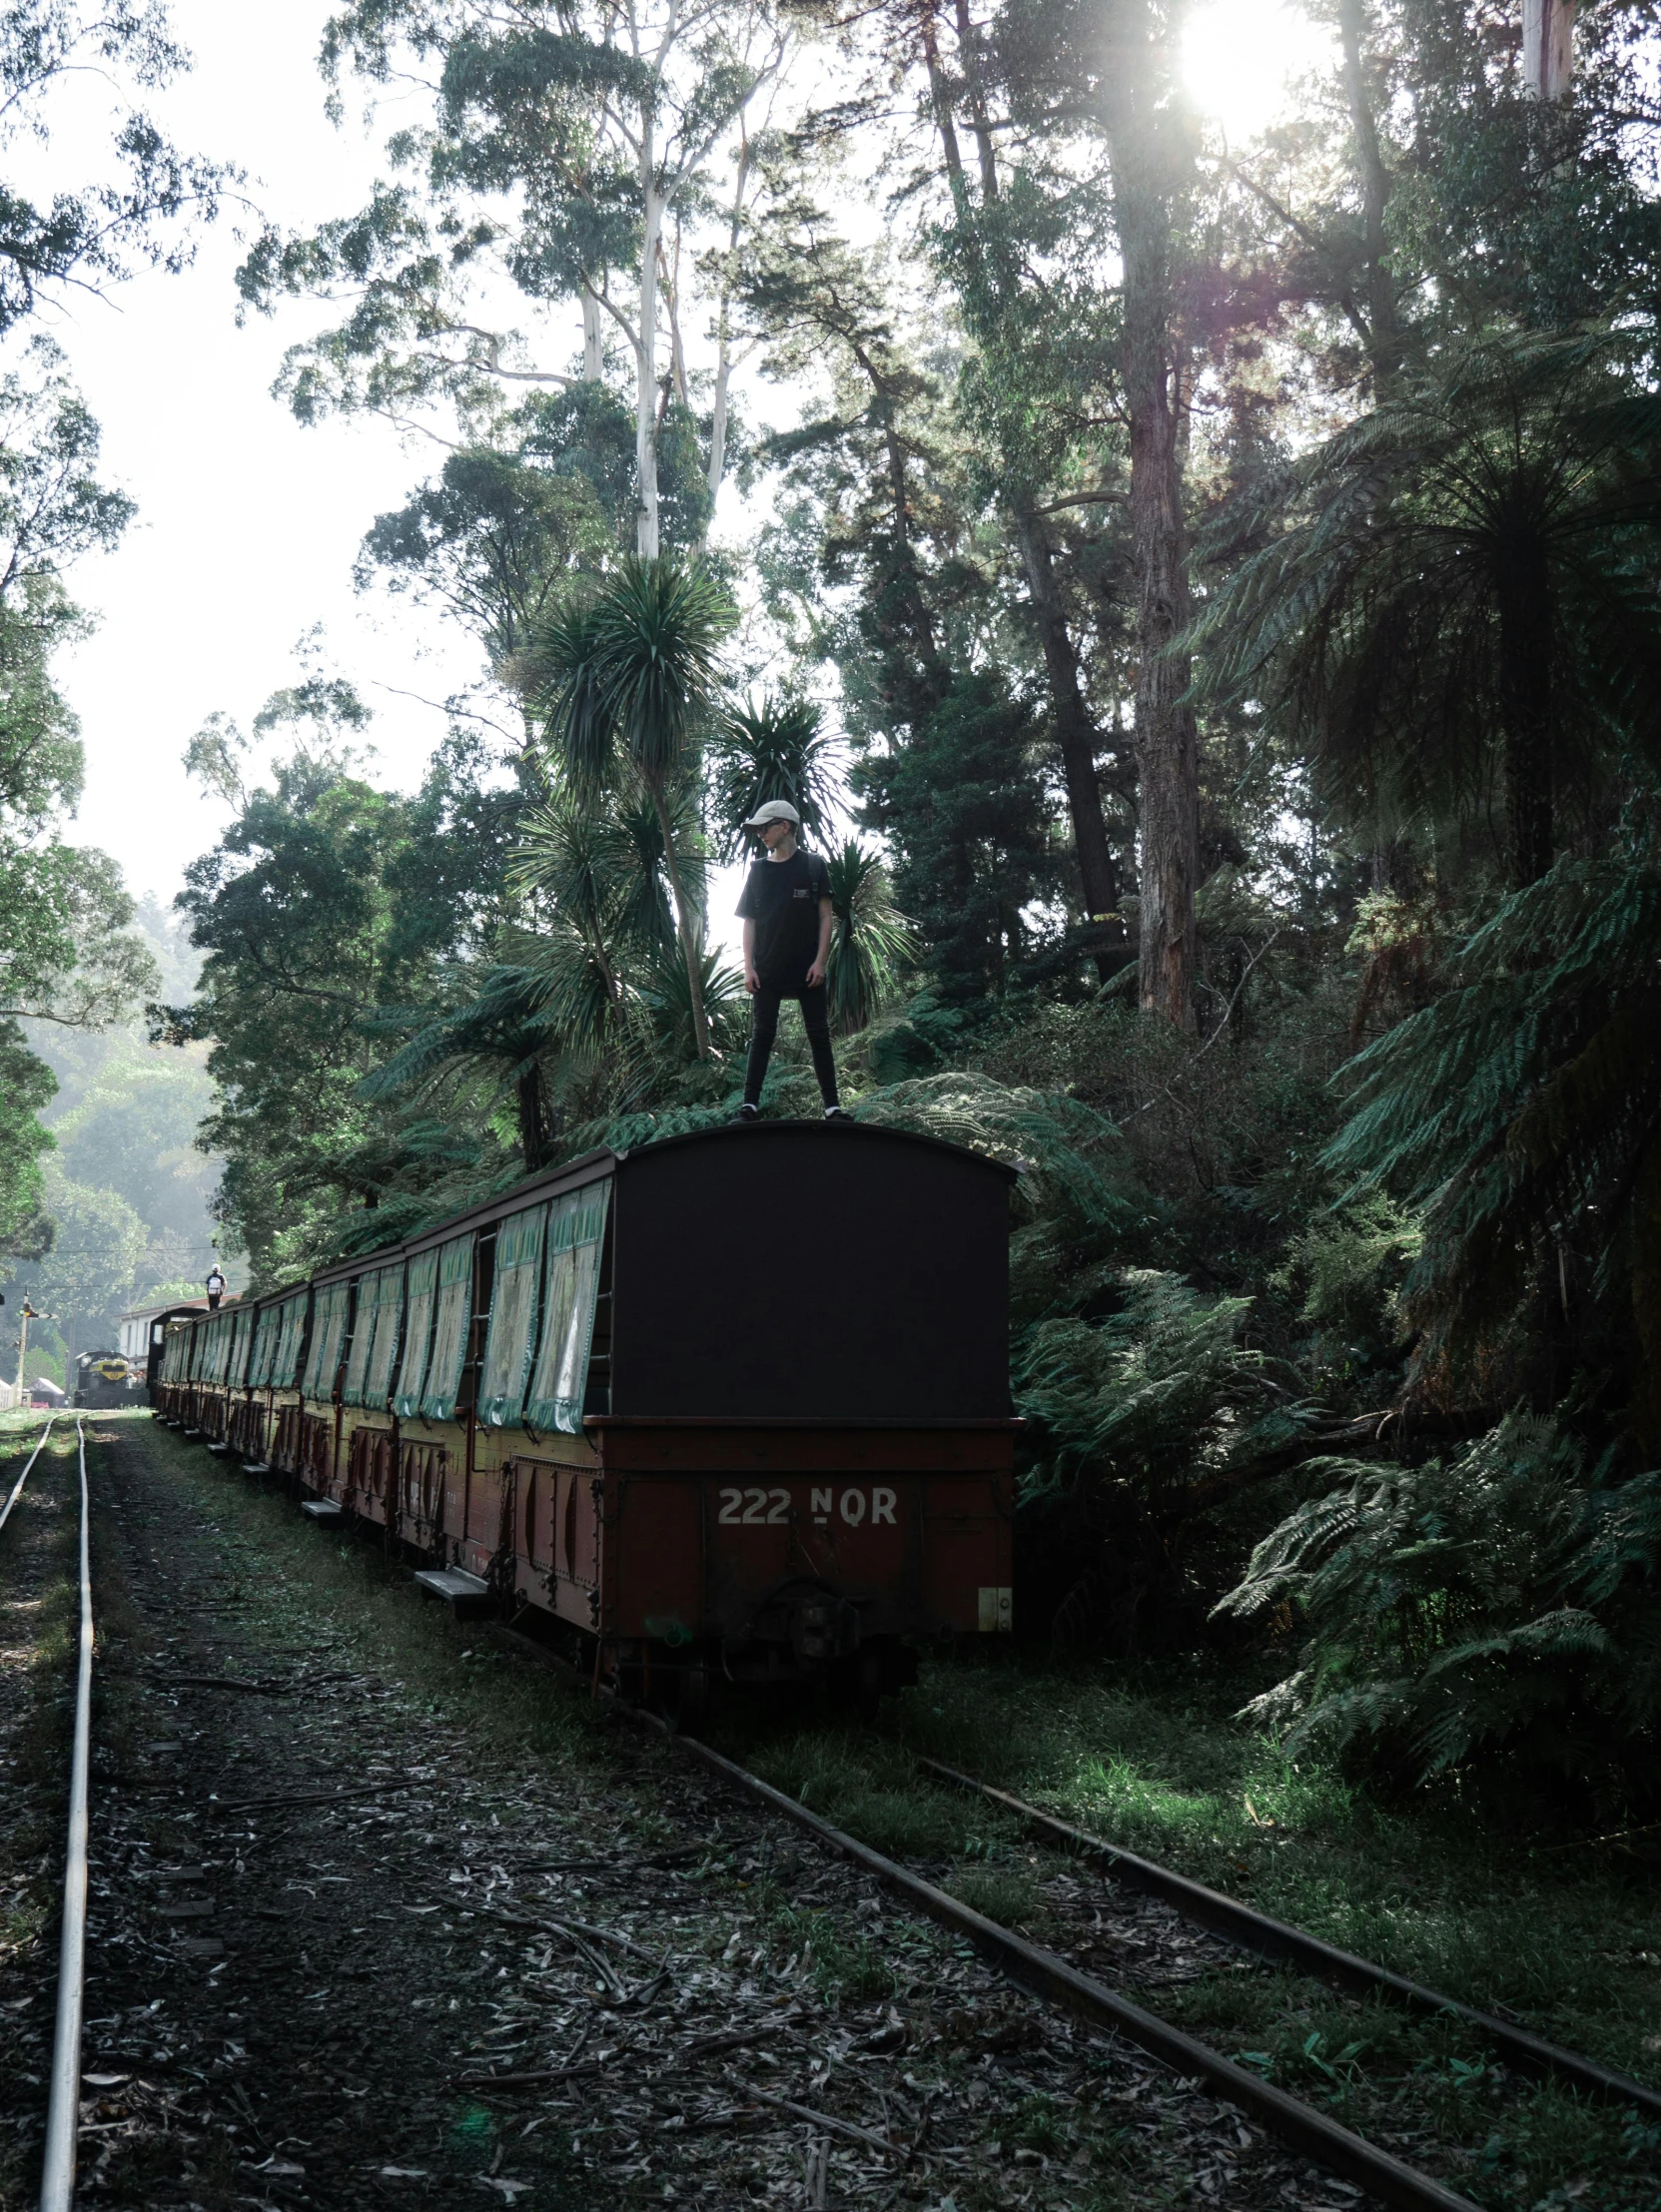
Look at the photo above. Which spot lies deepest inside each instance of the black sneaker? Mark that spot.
(748, 1112)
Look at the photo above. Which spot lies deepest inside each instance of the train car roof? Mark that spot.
(177, 1305)
(846, 1132)
(592, 1166)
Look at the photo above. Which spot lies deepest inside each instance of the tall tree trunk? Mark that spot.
(683, 922)
(1547, 48)
(1527, 711)
(1143, 183)
(645, 377)
(594, 359)
(1074, 730)
(723, 326)
(1383, 322)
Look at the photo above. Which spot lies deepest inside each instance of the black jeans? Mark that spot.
(816, 1021)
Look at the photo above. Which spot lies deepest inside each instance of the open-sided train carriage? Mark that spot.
(732, 1401)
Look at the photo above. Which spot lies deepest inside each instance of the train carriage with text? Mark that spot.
(732, 1403)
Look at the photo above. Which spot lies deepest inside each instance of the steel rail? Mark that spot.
(1271, 1938)
(17, 1487)
(57, 2180)
(1057, 1981)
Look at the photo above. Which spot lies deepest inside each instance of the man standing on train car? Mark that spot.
(215, 1289)
(786, 912)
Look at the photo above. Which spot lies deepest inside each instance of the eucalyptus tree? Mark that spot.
(67, 953)
(577, 149)
(1016, 247)
(1109, 72)
(496, 533)
(142, 210)
(872, 445)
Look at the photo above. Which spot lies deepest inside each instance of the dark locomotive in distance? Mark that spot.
(729, 1403)
(105, 1379)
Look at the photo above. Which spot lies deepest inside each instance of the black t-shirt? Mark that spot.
(781, 897)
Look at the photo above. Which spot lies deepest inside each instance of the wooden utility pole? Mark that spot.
(28, 1314)
(1547, 48)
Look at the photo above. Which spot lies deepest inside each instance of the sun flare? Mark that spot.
(1239, 58)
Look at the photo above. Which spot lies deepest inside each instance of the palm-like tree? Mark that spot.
(772, 748)
(666, 1005)
(626, 681)
(602, 873)
(870, 942)
(1465, 578)
(504, 1033)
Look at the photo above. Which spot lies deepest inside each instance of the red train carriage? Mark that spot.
(735, 1402)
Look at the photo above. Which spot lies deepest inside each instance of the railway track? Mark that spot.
(1048, 1976)
(1057, 1981)
(698, 2015)
(1303, 2127)
(63, 2091)
(16, 1490)
(57, 2188)
(1276, 1940)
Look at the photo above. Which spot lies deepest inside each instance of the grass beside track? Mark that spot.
(1565, 1940)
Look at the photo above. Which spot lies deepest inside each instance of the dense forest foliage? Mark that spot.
(1202, 598)
(99, 1198)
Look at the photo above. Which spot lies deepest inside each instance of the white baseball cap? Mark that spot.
(775, 810)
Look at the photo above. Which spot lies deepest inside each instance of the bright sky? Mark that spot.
(246, 523)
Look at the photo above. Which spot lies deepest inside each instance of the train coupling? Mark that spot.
(823, 1628)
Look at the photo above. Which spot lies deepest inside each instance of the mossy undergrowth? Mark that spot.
(1561, 1932)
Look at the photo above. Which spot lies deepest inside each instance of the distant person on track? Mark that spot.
(786, 912)
(215, 1289)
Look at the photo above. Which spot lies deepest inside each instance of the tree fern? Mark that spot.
(1521, 1116)
(1458, 590)
(1501, 1609)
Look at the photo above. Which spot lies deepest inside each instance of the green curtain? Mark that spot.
(242, 1335)
(449, 1330)
(265, 1348)
(424, 1289)
(577, 1230)
(389, 1315)
(512, 1318)
(327, 1330)
(363, 1336)
(287, 1343)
